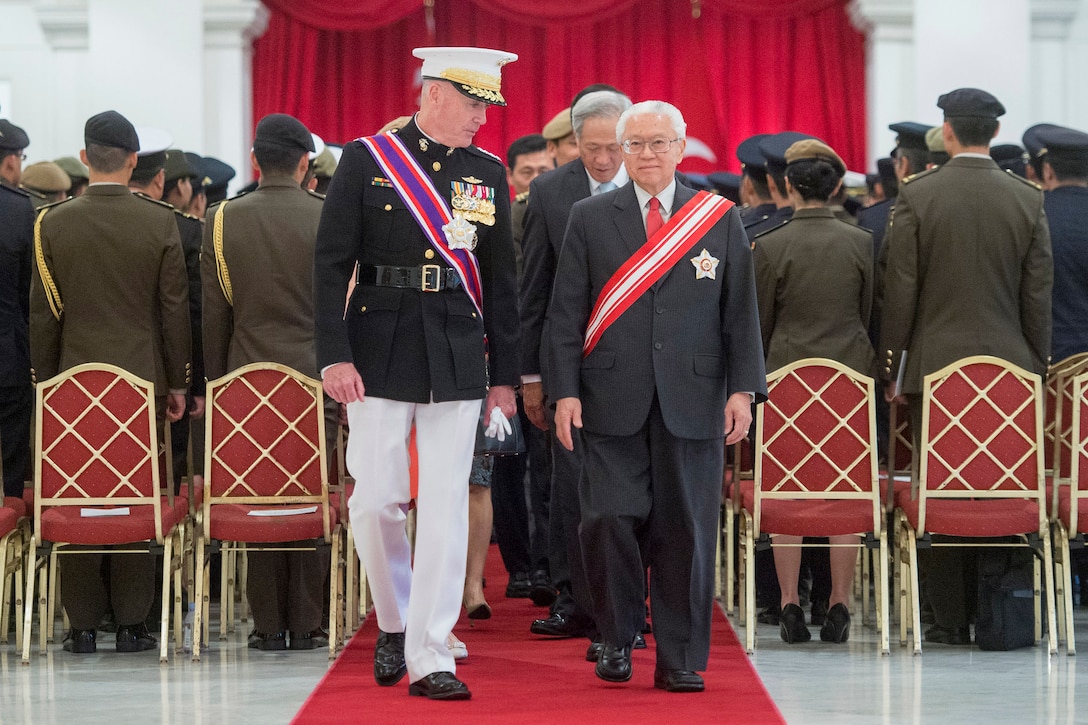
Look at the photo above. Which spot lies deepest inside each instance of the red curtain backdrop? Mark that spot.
(742, 67)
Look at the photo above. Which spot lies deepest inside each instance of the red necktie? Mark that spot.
(653, 218)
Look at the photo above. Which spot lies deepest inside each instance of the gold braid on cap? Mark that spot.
(52, 294)
(220, 260)
(481, 85)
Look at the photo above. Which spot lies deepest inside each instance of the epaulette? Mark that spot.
(239, 195)
(32, 194)
(160, 202)
(523, 196)
(776, 227)
(315, 194)
(753, 222)
(1018, 177)
(920, 174)
(51, 204)
(486, 154)
(13, 190)
(182, 214)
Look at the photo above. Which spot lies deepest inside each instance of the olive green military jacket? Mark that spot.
(969, 271)
(258, 285)
(814, 284)
(110, 286)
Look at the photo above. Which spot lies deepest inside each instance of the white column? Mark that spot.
(889, 73)
(1057, 87)
(230, 26)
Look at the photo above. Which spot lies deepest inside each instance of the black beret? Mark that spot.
(1066, 144)
(279, 129)
(748, 152)
(885, 168)
(12, 138)
(774, 148)
(910, 135)
(110, 128)
(970, 102)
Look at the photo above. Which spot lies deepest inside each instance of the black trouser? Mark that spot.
(84, 594)
(564, 548)
(286, 589)
(16, 409)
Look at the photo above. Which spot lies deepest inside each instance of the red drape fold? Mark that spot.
(743, 67)
(344, 15)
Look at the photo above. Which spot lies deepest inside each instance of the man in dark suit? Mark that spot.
(265, 313)
(1065, 177)
(110, 287)
(16, 233)
(654, 394)
(598, 169)
(967, 214)
(414, 334)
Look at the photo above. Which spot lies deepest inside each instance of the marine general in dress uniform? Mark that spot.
(433, 292)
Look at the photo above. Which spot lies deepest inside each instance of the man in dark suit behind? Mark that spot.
(969, 273)
(671, 377)
(598, 169)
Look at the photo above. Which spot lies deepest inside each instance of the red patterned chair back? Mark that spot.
(1079, 484)
(98, 441)
(265, 439)
(816, 437)
(1058, 432)
(982, 434)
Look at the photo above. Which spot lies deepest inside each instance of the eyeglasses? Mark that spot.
(658, 145)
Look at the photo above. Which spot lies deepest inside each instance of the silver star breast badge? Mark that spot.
(706, 266)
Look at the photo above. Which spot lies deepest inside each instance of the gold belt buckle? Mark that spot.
(432, 278)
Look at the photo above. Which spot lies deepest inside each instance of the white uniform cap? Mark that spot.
(476, 72)
(319, 146)
(153, 140)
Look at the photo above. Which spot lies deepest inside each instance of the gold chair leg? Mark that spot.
(915, 603)
(336, 603)
(1048, 570)
(164, 618)
(200, 597)
(226, 590)
(881, 587)
(180, 558)
(54, 597)
(351, 587)
(1037, 598)
(1065, 619)
(730, 558)
(749, 583)
(28, 603)
(5, 571)
(242, 577)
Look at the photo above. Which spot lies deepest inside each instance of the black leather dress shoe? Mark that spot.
(792, 625)
(948, 635)
(135, 638)
(614, 664)
(440, 686)
(678, 681)
(595, 647)
(519, 586)
(316, 639)
(389, 664)
(559, 625)
(542, 593)
(836, 625)
(639, 642)
(268, 642)
(81, 642)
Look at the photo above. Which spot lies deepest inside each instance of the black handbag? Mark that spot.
(512, 445)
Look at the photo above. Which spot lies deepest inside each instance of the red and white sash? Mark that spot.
(653, 259)
(430, 209)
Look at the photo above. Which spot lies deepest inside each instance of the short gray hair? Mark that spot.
(599, 104)
(653, 108)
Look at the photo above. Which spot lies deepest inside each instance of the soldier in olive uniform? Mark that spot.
(110, 287)
(966, 215)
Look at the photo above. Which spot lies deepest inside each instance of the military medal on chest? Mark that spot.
(474, 201)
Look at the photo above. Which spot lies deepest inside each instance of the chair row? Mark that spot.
(100, 484)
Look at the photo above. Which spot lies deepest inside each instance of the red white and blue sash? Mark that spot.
(429, 208)
(652, 260)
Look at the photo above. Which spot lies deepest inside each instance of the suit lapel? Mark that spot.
(628, 219)
(577, 182)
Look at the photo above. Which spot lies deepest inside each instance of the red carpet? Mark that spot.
(517, 677)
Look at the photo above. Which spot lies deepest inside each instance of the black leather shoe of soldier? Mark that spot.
(274, 642)
(614, 664)
(542, 593)
(81, 642)
(135, 638)
(389, 664)
(559, 625)
(678, 681)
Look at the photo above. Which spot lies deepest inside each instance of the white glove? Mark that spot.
(499, 426)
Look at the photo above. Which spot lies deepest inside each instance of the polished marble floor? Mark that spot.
(812, 683)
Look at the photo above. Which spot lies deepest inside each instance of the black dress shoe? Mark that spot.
(135, 638)
(315, 639)
(614, 664)
(81, 642)
(792, 625)
(639, 642)
(678, 681)
(389, 664)
(818, 613)
(273, 642)
(948, 635)
(836, 625)
(559, 625)
(440, 686)
(519, 586)
(770, 615)
(595, 647)
(542, 593)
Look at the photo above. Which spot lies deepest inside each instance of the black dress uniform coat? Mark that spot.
(407, 344)
(1067, 213)
(16, 391)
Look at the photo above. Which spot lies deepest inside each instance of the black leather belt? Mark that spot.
(427, 278)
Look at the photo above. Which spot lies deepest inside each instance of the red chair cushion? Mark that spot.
(16, 504)
(64, 523)
(814, 517)
(232, 522)
(8, 520)
(964, 517)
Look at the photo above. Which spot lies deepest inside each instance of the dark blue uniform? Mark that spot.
(1067, 212)
(16, 390)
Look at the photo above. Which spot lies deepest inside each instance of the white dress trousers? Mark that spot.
(424, 602)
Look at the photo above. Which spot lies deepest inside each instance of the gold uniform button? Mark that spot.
(389, 207)
(362, 309)
(474, 314)
(436, 166)
(429, 254)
